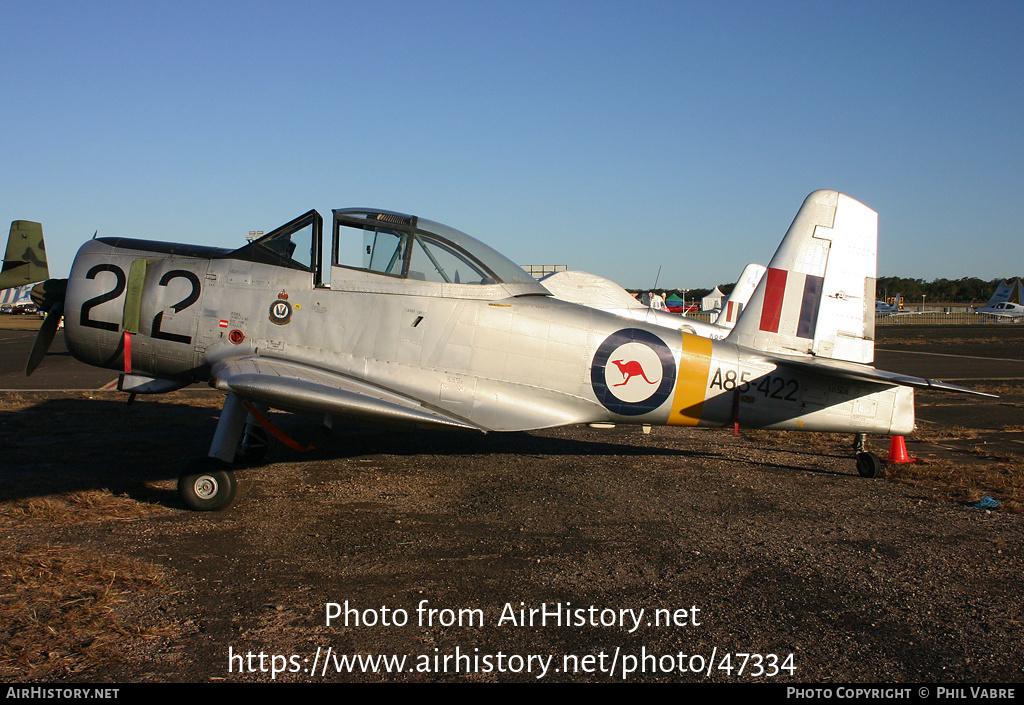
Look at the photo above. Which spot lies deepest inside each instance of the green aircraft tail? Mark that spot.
(25, 261)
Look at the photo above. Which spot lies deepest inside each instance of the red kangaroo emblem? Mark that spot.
(628, 370)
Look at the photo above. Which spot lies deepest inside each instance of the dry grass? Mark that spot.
(1000, 475)
(62, 611)
(967, 483)
(906, 337)
(74, 508)
(994, 386)
(953, 433)
(16, 401)
(20, 322)
(65, 610)
(821, 441)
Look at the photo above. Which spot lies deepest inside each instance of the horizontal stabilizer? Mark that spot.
(865, 373)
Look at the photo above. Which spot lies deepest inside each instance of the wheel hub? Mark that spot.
(205, 487)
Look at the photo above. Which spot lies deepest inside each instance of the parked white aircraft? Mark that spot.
(734, 304)
(603, 294)
(884, 310)
(1006, 302)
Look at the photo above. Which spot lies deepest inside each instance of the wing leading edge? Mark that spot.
(303, 389)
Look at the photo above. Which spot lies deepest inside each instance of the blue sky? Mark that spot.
(615, 137)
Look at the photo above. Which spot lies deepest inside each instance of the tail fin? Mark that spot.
(1007, 292)
(25, 261)
(818, 295)
(739, 296)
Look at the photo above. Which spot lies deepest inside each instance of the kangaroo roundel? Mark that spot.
(633, 372)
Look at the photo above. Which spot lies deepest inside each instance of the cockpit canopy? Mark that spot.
(415, 248)
(398, 246)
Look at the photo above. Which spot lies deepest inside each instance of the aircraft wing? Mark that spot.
(866, 373)
(300, 388)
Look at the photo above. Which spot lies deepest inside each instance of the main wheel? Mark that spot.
(869, 465)
(207, 485)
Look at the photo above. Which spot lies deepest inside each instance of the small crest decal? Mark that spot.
(281, 311)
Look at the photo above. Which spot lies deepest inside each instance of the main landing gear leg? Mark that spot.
(208, 484)
(860, 443)
(256, 441)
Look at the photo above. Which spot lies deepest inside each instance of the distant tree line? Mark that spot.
(965, 290)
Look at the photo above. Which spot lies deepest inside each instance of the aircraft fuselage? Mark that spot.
(502, 362)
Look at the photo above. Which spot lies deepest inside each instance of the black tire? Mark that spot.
(869, 465)
(207, 485)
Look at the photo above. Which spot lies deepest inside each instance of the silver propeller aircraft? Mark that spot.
(426, 327)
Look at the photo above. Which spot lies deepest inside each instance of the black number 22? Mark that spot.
(120, 282)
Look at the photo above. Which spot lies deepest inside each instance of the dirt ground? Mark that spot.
(765, 550)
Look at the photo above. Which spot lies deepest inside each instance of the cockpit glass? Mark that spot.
(384, 251)
(503, 269)
(295, 245)
(434, 261)
(298, 245)
(421, 250)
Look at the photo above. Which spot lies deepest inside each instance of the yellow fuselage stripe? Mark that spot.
(691, 380)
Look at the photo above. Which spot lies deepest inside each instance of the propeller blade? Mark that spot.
(47, 293)
(44, 337)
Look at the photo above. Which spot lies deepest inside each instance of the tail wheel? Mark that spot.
(207, 486)
(869, 465)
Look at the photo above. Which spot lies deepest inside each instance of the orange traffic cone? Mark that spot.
(898, 451)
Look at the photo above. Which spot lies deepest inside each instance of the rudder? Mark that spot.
(25, 261)
(818, 295)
